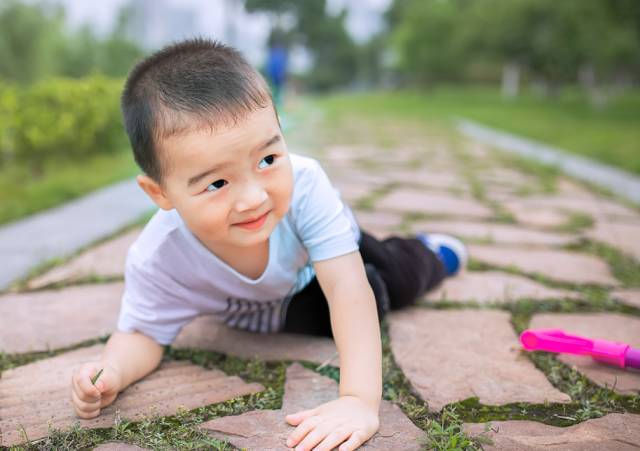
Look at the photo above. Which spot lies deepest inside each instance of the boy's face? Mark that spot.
(218, 180)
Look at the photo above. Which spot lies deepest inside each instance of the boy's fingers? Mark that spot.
(302, 430)
(298, 417)
(333, 440)
(86, 390)
(82, 396)
(107, 400)
(84, 409)
(354, 441)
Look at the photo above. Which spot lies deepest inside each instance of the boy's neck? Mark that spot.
(250, 261)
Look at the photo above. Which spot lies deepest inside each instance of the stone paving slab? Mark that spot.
(532, 209)
(623, 236)
(351, 191)
(47, 320)
(380, 224)
(560, 265)
(499, 233)
(355, 175)
(437, 203)
(354, 155)
(615, 431)
(205, 332)
(427, 178)
(476, 149)
(607, 326)
(106, 260)
(452, 355)
(304, 389)
(506, 177)
(544, 217)
(501, 193)
(566, 187)
(36, 394)
(494, 286)
(629, 297)
(399, 157)
(342, 154)
(595, 206)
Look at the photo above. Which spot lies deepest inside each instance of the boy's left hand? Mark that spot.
(328, 425)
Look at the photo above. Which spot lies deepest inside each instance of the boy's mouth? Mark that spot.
(256, 223)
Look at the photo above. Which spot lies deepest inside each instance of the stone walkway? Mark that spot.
(453, 358)
(61, 231)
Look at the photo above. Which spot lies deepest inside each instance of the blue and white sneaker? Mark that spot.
(450, 250)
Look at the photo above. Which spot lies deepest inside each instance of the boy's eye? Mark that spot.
(268, 159)
(215, 186)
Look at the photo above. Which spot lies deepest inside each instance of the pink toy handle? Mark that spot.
(555, 340)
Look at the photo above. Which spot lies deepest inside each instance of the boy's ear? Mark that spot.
(154, 191)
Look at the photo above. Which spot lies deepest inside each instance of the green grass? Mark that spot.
(23, 193)
(610, 135)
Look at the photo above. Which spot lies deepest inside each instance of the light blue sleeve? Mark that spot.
(152, 305)
(321, 218)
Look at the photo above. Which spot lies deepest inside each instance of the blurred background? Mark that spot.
(562, 72)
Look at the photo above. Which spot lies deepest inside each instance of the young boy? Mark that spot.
(252, 234)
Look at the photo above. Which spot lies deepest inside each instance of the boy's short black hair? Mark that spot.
(187, 85)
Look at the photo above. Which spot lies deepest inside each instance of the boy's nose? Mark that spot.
(251, 198)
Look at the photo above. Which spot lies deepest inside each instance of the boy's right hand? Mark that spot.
(87, 398)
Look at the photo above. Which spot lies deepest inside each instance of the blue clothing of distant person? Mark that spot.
(277, 71)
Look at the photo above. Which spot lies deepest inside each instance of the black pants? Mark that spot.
(407, 267)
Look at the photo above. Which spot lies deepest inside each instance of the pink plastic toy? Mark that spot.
(555, 340)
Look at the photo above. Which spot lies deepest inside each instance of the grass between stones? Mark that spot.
(576, 223)
(8, 361)
(443, 431)
(367, 202)
(624, 267)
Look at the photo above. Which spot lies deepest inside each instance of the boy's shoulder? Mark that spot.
(302, 164)
(305, 171)
(158, 233)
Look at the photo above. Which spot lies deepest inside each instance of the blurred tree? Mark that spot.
(30, 39)
(79, 57)
(118, 53)
(426, 40)
(34, 45)
(553, 42)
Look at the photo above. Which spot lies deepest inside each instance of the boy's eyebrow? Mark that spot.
(196, 178)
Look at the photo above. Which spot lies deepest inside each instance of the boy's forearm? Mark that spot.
(134, 355)
(356, 330)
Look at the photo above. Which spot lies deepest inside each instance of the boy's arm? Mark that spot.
(126, 358)
(356, 330)
(355, 326)
(133, 354)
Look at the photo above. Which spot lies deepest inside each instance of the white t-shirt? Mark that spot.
(171, 277)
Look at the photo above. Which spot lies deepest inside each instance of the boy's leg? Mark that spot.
(406, 265)
(308, 310)
(399, 271)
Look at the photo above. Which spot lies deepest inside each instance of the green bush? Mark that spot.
(8, 109)
(67, 119)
